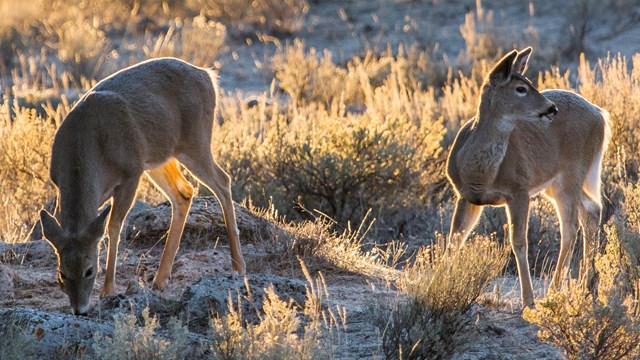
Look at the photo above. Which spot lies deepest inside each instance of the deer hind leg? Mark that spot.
(218, 181)
(465, 217)
(518, 216)
(123, 196)
(589, 211)
(567, 211)
(179, 192)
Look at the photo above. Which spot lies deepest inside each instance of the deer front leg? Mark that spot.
(518, 216)
(123, 196)
(465, 217)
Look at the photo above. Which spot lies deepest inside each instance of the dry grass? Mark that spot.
(196, 40)
(132, 340)
(285, 330)
(25, 140)
(603, 325)
(431, 316)
(588, 327)
(320, 246)
(249, 16)
(14, 343)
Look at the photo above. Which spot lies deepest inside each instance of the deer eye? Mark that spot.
(88, 273)
(521, 90)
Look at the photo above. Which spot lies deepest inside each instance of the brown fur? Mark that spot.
(143, 119)
(507, 153)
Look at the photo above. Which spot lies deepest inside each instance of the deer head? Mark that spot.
(77, 256)
(508, 96)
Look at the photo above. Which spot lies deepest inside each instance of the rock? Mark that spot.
(356, 109)
(204, 224)
(138, 206)
(189, 267)
(255, 102)
(40, 334)
(211, 295)
(36, 229)
(36, 253)
(6, 283)
(47, 333)
(135, 299)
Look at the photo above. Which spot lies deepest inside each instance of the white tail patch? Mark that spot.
(607, 127)
(592, 182)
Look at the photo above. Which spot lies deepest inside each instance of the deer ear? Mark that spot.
(520, 65)
(51, 230)
(95, 230)
(503, 69)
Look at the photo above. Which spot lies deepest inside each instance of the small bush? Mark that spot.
(250, 16)
(308, 77)
(14, 343)
(602, 326)
(345, 165)
(480, 35)
(429, 320)
(197, 41)
(619, 265)
(80, 44)
(459, 101)
(25, 140)
(587, 327)
(134, 341)
(282, 333)
(342, 164)
(319, 246)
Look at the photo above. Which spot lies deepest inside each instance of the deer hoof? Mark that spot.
(106, 291)
(158, 284)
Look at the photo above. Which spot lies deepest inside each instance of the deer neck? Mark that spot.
(486, 146)
(78, 201)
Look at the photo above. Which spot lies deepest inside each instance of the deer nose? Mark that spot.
(553, 109)
(81, 311)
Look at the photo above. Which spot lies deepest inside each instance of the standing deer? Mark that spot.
(144, 119)
(520, 144)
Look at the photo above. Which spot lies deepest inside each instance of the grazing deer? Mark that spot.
(523, 142)
(144, 119)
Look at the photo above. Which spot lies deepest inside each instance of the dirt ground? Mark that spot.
(202, 276)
